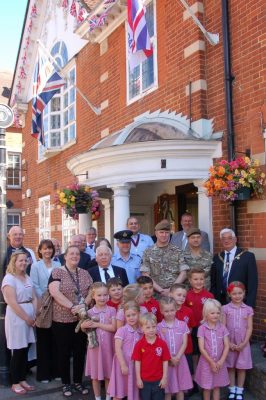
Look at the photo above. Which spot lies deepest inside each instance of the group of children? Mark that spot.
(149, 349)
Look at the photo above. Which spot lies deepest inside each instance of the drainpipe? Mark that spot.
(228, 80)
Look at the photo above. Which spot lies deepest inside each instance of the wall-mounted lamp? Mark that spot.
(28, 193)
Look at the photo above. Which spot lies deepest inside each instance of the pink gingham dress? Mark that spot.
(99, 360)
(237, 323)
(214, 345)
(178, 378)
(120, 385)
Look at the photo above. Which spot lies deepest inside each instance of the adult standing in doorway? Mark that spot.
(164, 262)
(91, 237)
(139, 241)
(233, 264)
(179, 239)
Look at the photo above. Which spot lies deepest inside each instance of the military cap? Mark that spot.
(123, 236)
(163, 225)
(193, 231)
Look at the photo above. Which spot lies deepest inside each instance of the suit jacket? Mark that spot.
(178, 236)
(118, 271)
(243, 269)
(84, 262)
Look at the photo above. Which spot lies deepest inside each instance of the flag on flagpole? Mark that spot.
(139, 42)
(47, 82)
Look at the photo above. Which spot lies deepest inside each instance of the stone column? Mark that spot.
(107, 219)
(84, 222)
(204, 211)
(121, 205)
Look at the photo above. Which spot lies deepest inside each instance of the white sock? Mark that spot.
(239, 390)
(98, 398)
(232, 389)
(108, 397)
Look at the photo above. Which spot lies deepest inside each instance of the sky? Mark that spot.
(11, 22)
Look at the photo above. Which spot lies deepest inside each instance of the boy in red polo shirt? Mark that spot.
(195, 300)
(151, 356)
(152, 305)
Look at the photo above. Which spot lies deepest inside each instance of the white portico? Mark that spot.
(154, 154)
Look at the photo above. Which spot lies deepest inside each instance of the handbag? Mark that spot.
(45, 315)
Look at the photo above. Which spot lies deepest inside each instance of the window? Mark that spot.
(143, 78)
(69, 228)
(14, 170)
(12, 220)
(44, 218)
(59, 116)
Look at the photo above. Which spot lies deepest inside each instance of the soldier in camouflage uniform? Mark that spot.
(196, 256)
(164, 262)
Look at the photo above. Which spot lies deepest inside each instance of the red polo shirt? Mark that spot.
(151, 357)
(112, 304)
(195, 301)
(186, 314)
(153, 306)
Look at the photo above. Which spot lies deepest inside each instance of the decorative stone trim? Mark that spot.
(104, 77)
(103, 46)
(200, 84)
(104, 132)
(104, 104)
(199, 45)
(197, 7)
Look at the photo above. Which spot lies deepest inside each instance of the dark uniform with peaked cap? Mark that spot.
(163, 264)
(132, 264)
(204, 260)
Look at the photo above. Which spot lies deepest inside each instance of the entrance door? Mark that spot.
(187, 201)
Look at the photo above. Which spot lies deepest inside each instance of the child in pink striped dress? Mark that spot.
(132, 292)
(174, 333)
(237, 317)
(99, 359)
(123, 378)
(211, 372)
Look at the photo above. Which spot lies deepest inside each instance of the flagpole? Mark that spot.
(96, 110)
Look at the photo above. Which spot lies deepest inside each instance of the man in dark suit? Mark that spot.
(85, 259)
(179, 239)
(105, 270)
(233, 264)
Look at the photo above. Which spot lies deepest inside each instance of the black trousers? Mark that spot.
(69, 343)
(151, 391)
(18, 365)
(47, 360)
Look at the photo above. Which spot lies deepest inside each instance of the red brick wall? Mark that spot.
(174, 74)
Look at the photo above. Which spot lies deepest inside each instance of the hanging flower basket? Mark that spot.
(78, 199)
(236, 180)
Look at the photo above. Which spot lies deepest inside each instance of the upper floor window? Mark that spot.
(143, 78)
(44, 218)
(59, 116)
(14, 170)
(13, 219)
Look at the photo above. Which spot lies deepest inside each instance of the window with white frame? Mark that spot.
(59, 116)
(69, 228)
(14, 170)
(13, 219)
(143, 78)
(44, 218)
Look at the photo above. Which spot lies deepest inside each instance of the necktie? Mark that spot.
(106, 275)
(226, 270)
(91, 246)
(184, 241)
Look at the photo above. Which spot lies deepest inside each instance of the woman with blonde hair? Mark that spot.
(19, 294)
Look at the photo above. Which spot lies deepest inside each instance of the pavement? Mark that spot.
(52, 391)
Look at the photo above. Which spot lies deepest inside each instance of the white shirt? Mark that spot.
(90, 251)
(145, 241)
(109, 270)
(231, 259)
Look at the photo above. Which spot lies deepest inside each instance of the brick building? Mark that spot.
(160, 127)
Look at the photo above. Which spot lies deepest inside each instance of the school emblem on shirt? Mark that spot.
(142, 350)
(203, 300)
(158, 351)
(154, 310)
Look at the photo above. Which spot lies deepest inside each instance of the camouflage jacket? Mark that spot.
(203, 261)
(163, 264)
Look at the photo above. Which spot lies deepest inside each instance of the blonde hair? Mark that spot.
(131, 305)
(131, 292)
(11, 268)
(95, 286)
(147, 318)
(209, 305)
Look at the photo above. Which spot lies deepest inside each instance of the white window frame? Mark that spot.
(154, 86)
(13, 214)
(48, 113)
(44, 228)
(13, 153)
(70, 227)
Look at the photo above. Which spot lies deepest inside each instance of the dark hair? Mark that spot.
(114, 282)
(102, 239)
(195, 270)
(142, 280)
(177, 286)
(49, 244)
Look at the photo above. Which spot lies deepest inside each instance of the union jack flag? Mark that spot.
(139, 43)
(47, 82)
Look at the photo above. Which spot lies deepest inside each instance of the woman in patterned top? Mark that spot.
(69, 286)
